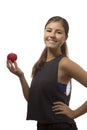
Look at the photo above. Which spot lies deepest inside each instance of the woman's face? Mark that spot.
(54, 35)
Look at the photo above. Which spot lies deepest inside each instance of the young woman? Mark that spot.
(51, 80)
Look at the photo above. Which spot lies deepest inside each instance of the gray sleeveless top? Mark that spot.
(44, 90)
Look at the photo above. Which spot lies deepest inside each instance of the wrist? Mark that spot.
(75, 114)
(21, 75)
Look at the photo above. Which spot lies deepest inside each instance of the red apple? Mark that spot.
(12, 57)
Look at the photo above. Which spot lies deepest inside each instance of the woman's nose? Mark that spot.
(52, 34)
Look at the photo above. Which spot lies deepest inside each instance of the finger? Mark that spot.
(59, 108)
(60, 112)
(55, 106)
(15, 63)
(55, 103)
(59, 103)
(56, 109)
(8, 64)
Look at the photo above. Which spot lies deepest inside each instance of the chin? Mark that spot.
(51, 47)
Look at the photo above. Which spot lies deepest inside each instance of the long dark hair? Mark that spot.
(64, 49)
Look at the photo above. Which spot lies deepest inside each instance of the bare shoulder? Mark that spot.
(66, 63)
(73, 70)
(71, 67)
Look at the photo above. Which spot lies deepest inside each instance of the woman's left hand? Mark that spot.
(62, 108)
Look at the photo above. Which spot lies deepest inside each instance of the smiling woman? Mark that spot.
(56, 33)
(51, 76)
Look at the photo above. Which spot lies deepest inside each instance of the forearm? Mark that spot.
(25, 86)
(62, 108)
(81, 110)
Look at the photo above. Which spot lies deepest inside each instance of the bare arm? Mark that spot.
(25, 86)
(73, 70)
(13, 67)
(61, 108)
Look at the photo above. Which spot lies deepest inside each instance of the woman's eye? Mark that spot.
(48, 30)
(59, 32)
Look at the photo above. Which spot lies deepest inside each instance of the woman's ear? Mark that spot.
(66, 37)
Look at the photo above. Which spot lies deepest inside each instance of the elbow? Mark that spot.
(26, 99)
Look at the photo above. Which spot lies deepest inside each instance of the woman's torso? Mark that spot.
(46, 89)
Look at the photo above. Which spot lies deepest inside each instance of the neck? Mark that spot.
(52, 54)
(50, 58)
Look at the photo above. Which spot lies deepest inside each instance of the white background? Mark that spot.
(21, 31)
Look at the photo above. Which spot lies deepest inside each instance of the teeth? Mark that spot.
(52, 41)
